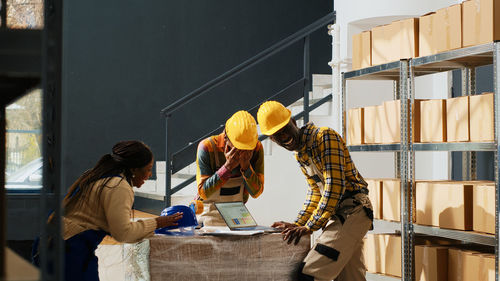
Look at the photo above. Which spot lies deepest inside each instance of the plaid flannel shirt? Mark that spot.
(326, 149)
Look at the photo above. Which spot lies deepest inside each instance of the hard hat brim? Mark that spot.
(279, 126)
(244, 146)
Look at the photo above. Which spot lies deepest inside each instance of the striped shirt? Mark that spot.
(210, 180)
(326, 149)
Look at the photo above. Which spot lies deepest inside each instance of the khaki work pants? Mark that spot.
(338, 251)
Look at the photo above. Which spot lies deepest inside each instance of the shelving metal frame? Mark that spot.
(403, 72)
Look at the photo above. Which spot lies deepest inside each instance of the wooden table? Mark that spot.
(219, 258)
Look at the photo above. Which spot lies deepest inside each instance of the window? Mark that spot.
(25, 14)
(24, 163)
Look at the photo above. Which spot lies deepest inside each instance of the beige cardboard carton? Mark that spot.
(392, 255)
(457, 119)
(431, 263)
(391, 199)
(448, 28)
(408, 38)
(481, 22)
(356, 133)
(433, 120)
(463, 265)
(483, 208)
(427, 39)
(481, 118)
(391, 121)
(487, 267)
(373, 253)
(371, 122)
(385, 44)
(375, 195)
(454, 213)
(471, 265)
(380, 45)
(361, 50)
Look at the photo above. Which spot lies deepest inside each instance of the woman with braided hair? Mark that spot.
(100, 203)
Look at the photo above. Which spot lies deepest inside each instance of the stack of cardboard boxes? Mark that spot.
(440, 262)
(473, 22)
(460, 119)
(435, 259)
(469, 205)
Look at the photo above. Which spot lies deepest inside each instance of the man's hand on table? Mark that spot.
(291, 231)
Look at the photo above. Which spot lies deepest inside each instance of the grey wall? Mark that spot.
(123, 61)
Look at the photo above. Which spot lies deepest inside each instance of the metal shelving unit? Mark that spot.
(448, 146)
(403, 74)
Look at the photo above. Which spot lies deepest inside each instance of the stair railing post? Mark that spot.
(306, 79)
(168, 165)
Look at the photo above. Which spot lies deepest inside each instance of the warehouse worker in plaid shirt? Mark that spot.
(230, 167)
(336, 202)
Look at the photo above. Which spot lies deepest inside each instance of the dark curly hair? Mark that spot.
(126, 155)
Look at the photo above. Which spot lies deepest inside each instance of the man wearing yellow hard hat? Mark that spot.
(230, 167)
(337, 198)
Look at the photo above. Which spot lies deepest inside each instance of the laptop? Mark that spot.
(238, 217)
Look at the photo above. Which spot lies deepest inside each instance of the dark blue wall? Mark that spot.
(485, 160)
(126, 60)
(123, 61)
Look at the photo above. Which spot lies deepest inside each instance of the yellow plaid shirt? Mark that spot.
(326, 149)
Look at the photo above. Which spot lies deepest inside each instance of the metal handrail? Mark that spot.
(302, 34)
(299, 115)
(299, 35)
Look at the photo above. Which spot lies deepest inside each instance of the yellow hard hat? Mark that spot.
(272, 116)
(241, 130)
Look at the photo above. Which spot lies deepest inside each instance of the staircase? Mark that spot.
(323, 115)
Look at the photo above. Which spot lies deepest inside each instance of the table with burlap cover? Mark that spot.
(220, 258)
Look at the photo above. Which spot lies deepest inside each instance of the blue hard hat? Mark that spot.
(188, 218)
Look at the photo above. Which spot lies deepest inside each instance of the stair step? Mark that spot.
(322, 80)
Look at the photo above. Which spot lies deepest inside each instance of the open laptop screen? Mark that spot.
(235, 214)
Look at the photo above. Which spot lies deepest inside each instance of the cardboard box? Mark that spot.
(361, 50)
(463, 265)
(481, 118)
(457, 119)
(431, 263)
(433, 120)
(391, 121)
(448, 28)
(356, 133)
(427, 39)
(372, 124)
(481, 22)
(382, 254)
(392, 255)
(385, 44)
(487, 267)
(483, 208)
(455, 212)
(408, 38)
(391, 199)
(395, 41)
(373, 253)
(375, 195)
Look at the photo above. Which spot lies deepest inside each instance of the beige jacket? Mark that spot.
(112, 215)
